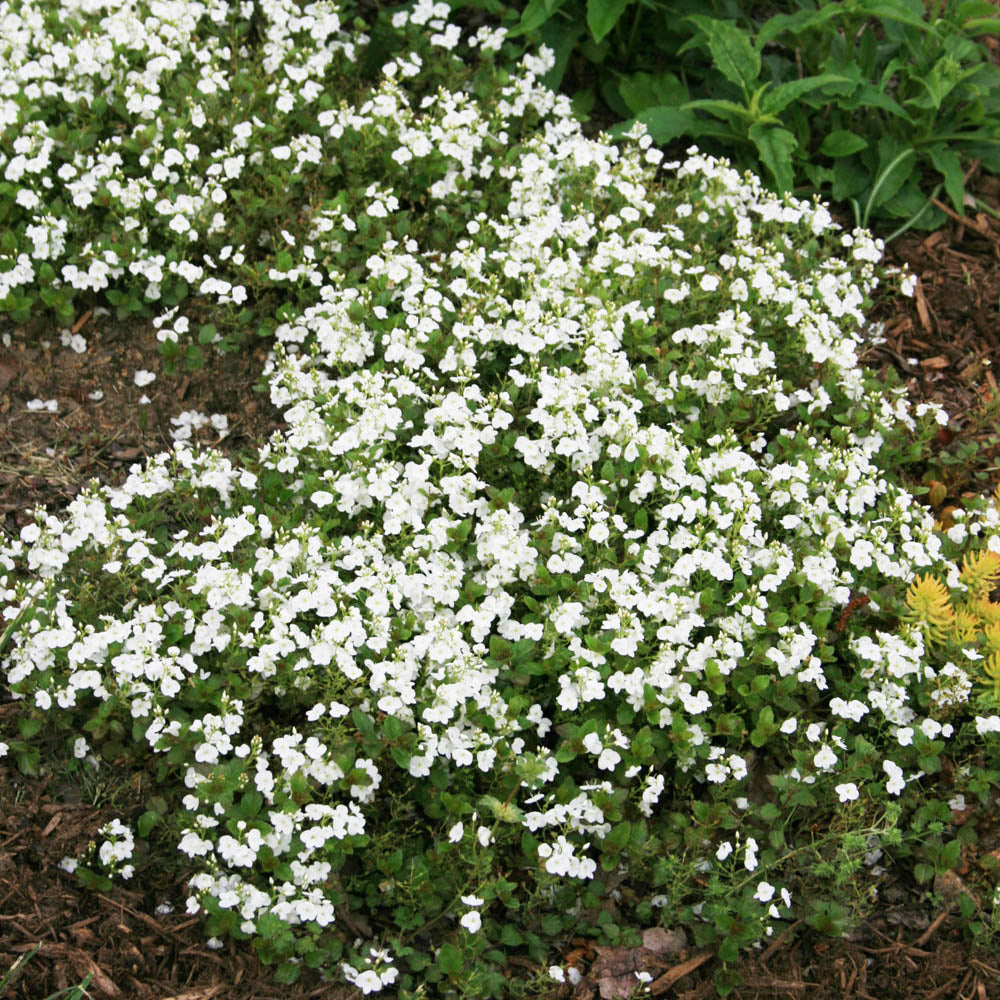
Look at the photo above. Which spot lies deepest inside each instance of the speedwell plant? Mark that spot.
(542, 617)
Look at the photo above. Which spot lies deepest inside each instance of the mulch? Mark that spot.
(945, 345)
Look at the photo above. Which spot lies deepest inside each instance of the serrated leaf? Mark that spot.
(732, 52)
(899, 13)
(775, 146)
(450, 959)
(783, 95)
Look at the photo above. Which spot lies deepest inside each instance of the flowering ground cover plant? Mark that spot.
(541, 619)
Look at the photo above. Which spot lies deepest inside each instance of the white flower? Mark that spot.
(143, 377)
(896, 782)
(472, 921)
(456, 832)
(764, 893)
(848, 791)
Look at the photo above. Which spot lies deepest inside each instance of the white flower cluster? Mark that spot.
(526, 436)
(378, 971)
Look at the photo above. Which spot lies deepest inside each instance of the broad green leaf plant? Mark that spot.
(876, 104)
(530, 624)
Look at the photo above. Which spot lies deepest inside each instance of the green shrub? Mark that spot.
(875, 104)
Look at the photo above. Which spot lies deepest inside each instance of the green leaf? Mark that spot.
(871, 97)
(783, 95)
(842, 143)
(603, 15)
(721, 109)
(146, 822)
(849, 177)
(947, 162)
(776, 146)
(194, 358)
(899, 13)
(648, 90)
(534, 16)
(795, 23)
(615, 841)
(450, 960)
(733, 54)
(500, 648)
(510, 936)
(663, 124)
(982, 26)
(252, 802)
(560, 36)
(287, 972)
(28, 727)
(936, 90)
(895, 165)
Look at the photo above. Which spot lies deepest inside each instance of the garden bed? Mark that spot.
(103, 400)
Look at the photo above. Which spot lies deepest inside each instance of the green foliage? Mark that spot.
(875, 104)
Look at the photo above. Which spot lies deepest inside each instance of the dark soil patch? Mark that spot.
(46, 457)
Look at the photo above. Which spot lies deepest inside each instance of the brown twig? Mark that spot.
(962, 220)
(664, 982)
(778, 942)
(935, 924)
